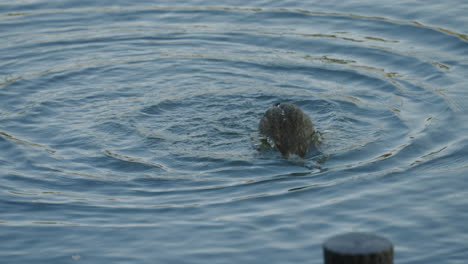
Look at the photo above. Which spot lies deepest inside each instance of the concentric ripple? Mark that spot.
(155, 107)
(161, 97)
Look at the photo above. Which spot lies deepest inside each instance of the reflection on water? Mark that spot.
(139, 124)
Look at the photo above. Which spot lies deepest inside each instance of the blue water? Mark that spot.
(128, 129)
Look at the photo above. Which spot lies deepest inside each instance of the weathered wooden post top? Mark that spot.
(358, 248)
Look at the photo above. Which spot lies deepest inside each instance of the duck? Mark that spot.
(289, 129)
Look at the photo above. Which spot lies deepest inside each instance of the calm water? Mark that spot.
(128, 129)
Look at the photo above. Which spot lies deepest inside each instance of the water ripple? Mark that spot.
(115, 116)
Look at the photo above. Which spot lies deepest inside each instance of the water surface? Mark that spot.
(128, 131)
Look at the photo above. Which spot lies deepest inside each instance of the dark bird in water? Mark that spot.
(290, 129)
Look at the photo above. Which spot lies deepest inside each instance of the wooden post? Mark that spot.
(358, 248)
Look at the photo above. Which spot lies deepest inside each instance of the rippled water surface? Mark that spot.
(128, 130)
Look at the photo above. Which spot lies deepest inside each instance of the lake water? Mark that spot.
(128, 129)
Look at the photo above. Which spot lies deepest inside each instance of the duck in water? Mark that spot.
(289, 128)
